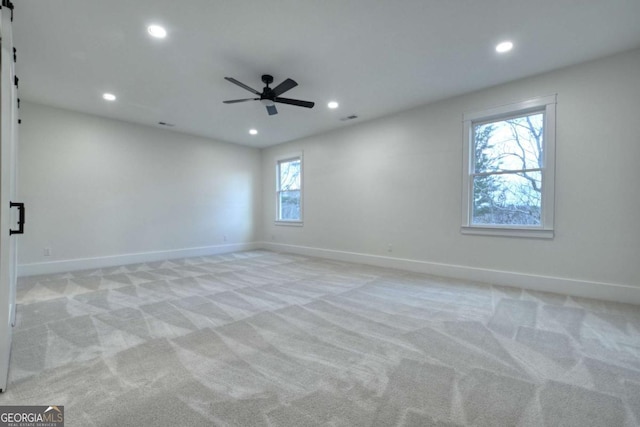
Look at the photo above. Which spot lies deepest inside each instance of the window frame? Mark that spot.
(278, 161)
(546, 105)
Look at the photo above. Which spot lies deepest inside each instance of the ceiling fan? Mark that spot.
(269, 95)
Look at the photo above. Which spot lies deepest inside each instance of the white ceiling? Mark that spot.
(374, 57)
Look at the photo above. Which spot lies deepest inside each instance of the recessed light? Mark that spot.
(157, 31)
(253, 131)
(108, 96)
(503, 47)
(332, 104)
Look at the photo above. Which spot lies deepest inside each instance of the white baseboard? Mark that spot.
(580, 288)
(575, 287)
(114, 260)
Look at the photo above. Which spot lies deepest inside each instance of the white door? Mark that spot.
(9, 216)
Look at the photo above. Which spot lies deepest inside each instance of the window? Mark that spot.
(508, 181)
(289, 190)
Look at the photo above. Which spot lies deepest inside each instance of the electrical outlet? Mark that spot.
(390, 248)
(46, 251)
(224, 238)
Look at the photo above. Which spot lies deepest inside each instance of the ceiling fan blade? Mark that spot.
(242, 85)
(271, 109)
(297, 102)
(233, 101)
(284, 86)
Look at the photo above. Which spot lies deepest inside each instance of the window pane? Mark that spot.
(289, 205)
(510, 144)
(507, 199)
(289, 175)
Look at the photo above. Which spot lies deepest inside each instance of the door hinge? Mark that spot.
(7, 3)
(15, 56)
(15, 81)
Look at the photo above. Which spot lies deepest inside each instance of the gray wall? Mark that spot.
(97, 187)
(397, 181)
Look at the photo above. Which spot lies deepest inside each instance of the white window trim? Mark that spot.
(546, 229)
(290, 156)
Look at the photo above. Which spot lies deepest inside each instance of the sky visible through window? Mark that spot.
(289, 190)
(290, 175)
(507, 177)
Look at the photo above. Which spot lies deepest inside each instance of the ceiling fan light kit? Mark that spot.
(269, 96)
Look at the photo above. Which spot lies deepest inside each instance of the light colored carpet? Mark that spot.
(265, 339)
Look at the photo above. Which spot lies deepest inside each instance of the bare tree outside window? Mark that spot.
(289, 190)
(507, 171)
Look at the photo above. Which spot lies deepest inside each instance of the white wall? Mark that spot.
(397, 181)
(96, 188)
(99, 190)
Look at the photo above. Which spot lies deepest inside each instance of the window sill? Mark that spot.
(290, 223)
(534, 233)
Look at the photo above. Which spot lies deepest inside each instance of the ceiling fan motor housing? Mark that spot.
(267, 92)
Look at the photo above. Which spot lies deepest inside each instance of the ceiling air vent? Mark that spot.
(351, 117)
